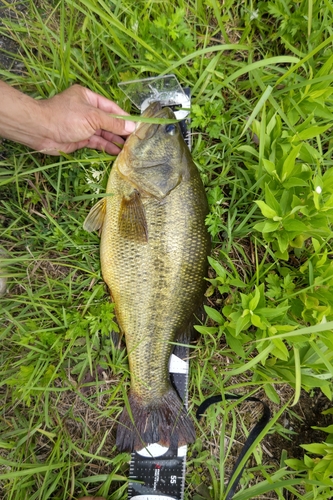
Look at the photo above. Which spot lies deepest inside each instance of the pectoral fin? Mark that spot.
(132, 218)
(95, 218)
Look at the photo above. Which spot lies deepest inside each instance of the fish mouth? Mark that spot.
(144, 130)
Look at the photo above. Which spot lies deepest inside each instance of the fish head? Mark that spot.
(154, 155)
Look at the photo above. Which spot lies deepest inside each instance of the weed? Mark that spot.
(260, 74)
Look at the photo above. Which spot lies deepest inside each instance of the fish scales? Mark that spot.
(154, 247)
(151, 284)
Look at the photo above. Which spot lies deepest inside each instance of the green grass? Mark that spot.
(261, 76)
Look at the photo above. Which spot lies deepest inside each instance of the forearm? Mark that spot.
(21, 119)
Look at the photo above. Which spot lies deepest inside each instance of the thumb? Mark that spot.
(114, 125)
(103, 107)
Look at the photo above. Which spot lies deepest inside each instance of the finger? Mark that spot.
(114, 125)
(108, 123)
(56, 149)
(101, 102)
(110, 137)
(98, 142)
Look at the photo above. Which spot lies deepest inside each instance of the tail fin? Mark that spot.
(154, 423)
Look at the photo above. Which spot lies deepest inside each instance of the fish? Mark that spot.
(153, 250)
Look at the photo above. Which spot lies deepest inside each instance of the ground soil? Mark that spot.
(300, 419)
(8, 46)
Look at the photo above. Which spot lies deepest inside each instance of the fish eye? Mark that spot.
(171, 129)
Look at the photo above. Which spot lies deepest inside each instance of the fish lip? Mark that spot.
(153, 108)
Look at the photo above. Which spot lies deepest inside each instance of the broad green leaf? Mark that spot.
(235, 344)
(256, 321)
(237, 282)
(222, 289)
(262, 299)
(206, 329)
(311, 382)
(282, 255)
(283, 240)
(214, 315)
(328, 204)
(211, 290)
(245, 300)
(271, 124)
(7, 446)
(242, 323)
(272, 312)
(271, 200)
(220, 271)
(294, 225)
(317, 200)
(298, 241)
(265, 209)
(317, 109)
(260, 227)
(309, 462)
(309, 154)
(294, 182)
(328, 412)
(312, 132)
(317, 448)
(269, 166)
(248, 149)
(271, 393)
(286, 201)
(268, 226)
(255, 300)
(328, 180)
(295, 464)
(289, 163)
(328, 429)
(280, 350)
(319, 221)
(327, 392)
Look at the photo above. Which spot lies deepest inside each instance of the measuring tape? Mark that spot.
(157, 472)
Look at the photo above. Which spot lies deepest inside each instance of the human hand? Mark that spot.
(78, 118)
(73, 119)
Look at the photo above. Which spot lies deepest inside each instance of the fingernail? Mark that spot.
(129, 126)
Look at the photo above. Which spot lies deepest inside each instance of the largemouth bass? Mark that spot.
(154, 247)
